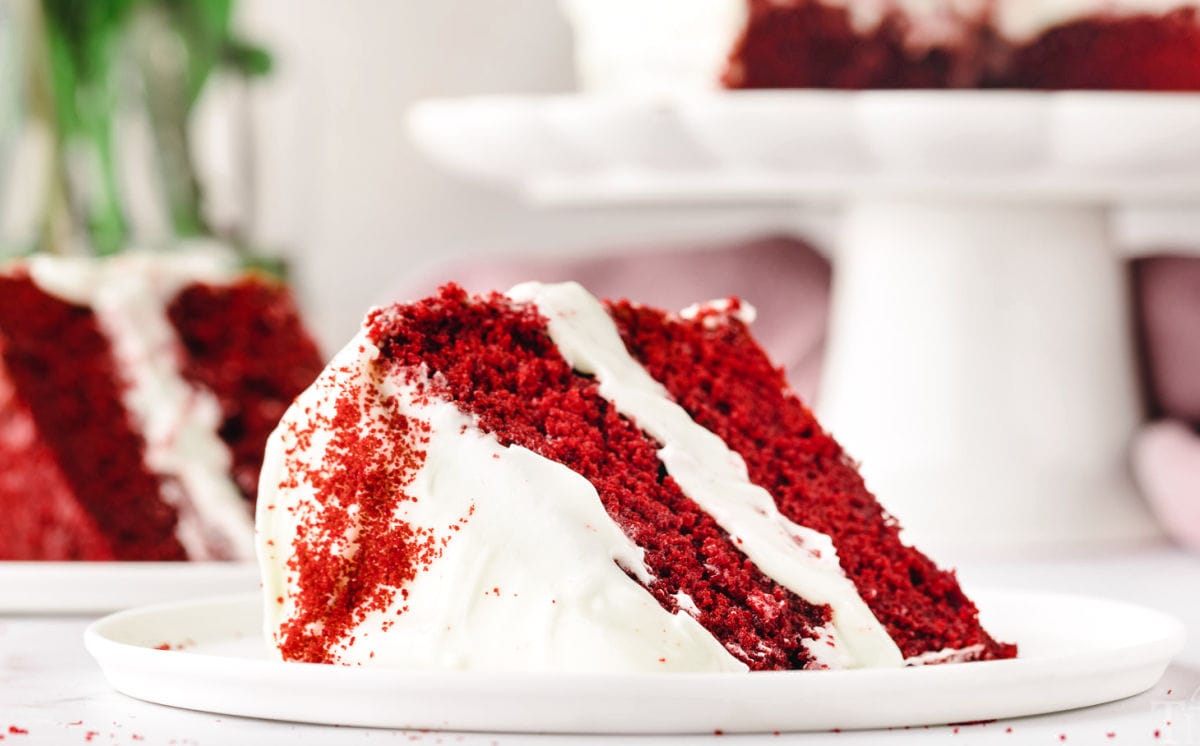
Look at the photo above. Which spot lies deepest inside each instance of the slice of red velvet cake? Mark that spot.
(136, 395)
(539, 481)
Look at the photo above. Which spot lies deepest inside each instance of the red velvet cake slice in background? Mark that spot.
(124, 423)
(535, 481)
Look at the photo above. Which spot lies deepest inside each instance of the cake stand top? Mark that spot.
(809, 145)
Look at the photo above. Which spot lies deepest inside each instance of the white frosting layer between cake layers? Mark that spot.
(129, 294)
(534, 578)
(667, 46)
(710, 473)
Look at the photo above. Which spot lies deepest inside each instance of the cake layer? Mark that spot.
(244, 342)
(713, 368)
(1137, 52)
(54, 526)
(438, 464)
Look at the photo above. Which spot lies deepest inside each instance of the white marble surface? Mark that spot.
(52, 689)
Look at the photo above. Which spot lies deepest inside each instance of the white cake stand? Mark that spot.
(981, 357)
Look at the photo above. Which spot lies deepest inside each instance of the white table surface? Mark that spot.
(50, 687)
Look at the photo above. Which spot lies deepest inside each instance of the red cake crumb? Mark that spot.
(16, 730)
(80, 454)
(726, 383)
(375, 456)
(496, 362)
(246, 344)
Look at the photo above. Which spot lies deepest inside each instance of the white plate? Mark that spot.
(1076, 652)
(81, 587)
(812, 144)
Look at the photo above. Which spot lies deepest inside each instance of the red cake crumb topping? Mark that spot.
(727, 384)
(64, 395)
(350, 556)
(245, 343)
(496, 362)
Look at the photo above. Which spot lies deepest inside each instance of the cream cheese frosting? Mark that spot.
(179, 422)
(534, 579)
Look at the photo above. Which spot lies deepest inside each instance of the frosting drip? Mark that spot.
(798, 558)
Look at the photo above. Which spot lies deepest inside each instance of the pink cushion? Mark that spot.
(1168, 292)
(1166, 460)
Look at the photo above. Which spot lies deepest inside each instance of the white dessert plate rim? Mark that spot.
(38, 587)
(1082, 651)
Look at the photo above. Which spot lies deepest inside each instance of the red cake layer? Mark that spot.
(498, 364)
(726, 383)
(246, 344)
(79, 455)
(1136, 53)
(54, 526)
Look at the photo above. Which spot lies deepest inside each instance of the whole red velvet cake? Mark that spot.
(542, 481)
(999, 44)
(853, 44)
(136, 394)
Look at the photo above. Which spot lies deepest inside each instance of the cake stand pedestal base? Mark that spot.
(981, 366)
